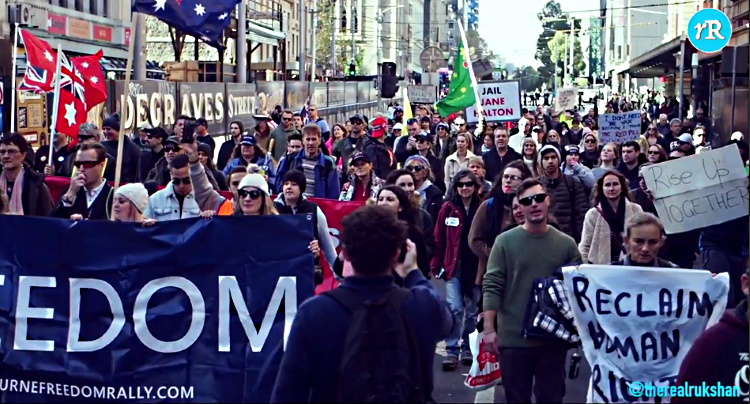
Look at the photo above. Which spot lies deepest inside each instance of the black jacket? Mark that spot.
(437, 166)
(383, 159)
(160, 173)
(35, 198)
(494, 164)
(433, 201)
(208, 139)
(449, 147)
(99, 209)
(58, 158)
(148, 161)
(131, 156)
(304, 206)
(225, 153)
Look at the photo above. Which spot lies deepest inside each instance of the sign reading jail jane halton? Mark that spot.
(501, 101)
(700, 190)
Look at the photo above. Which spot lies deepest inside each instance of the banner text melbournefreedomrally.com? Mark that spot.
(97, 392)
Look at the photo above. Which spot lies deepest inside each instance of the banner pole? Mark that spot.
(474, 85)
(55, 105)
(124, 100)
(13, 81)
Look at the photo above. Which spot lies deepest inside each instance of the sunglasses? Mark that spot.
(171, 149)
(415, 169)
(356, 122)
(421, 140)
(511, 177)
(651, 129)
(286, 119)
(86, 137)
(178, 181)
(86, 164)
(254, 194)
(465, 185)
(589, 141)
(652, 153)
(527, 201)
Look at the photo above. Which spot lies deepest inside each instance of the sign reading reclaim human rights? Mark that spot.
(637, 324)
(700, 190)
(619, 128)
(97, 310)
(501, 101)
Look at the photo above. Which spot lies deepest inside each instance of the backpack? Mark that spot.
(380, 361)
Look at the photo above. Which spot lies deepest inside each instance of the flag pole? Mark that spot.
(124, 100)
(55, 105)
(13, 81)
(467, 57)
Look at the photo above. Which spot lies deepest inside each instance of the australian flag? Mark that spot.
(203, 19)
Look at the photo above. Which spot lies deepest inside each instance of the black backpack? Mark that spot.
(380, 361)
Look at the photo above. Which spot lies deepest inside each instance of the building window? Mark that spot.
(79, 5)
(105, 8)
(94, 7)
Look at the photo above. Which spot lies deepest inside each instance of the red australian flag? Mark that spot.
(73, 107)
(41, 61)
(94, 82)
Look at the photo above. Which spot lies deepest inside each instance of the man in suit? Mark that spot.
(89, 195)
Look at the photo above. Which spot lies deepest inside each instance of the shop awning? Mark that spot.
(660, 61)
(257, 33)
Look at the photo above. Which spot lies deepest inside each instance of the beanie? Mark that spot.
(112, 121)
(297, 177)
(549, 148)
(255, 180)
(206, 149)
(136, 193)
(418, 158)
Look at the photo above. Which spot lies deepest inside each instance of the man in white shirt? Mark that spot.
(89, 196)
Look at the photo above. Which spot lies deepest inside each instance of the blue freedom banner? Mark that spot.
(186, 311)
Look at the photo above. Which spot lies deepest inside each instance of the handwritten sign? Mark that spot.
(619, 128)
(699, 191)
(501, 101)
(637, 324)
(566, 99)
(422, 94)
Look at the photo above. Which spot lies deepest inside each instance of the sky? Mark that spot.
(515, 41)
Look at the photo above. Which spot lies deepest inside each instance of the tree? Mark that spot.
(553, 20)
(478, 47)
(325, 27)
(530, 79)
(559, 47)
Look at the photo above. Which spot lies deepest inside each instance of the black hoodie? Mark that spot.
(719, 355)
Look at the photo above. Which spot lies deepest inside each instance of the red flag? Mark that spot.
(93, 76)
(71, 112)
(41, 61)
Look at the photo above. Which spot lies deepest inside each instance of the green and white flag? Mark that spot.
(461, 94)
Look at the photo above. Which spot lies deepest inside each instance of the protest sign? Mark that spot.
(700, 190)
(422, 94)
(98, 310)
(637, 324)
(619, 128)
(501, 101)
(566, 99)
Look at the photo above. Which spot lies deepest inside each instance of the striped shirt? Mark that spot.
(308, 166)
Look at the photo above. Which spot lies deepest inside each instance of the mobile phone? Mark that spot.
(402, 256)
(188, 132)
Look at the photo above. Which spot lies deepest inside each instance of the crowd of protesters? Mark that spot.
(478, 208)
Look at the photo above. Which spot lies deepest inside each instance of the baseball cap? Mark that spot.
(356, 117)
(424, 135)
(202, 121)
(157, 132)
(261, 117)
(248, 141)
(442, 125)
(459, 121)
(398, 126)
(379, 126)
(572, 149)
(737, 136)
(536, 129)
(685, 138)
(359, 156)
(174, 140)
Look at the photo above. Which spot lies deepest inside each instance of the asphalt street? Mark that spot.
(449, 386)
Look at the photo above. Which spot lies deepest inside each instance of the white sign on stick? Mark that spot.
(422, 94)
(619, 128)
(566, 99)
(637, 324)
(700, 190)
(501, 101)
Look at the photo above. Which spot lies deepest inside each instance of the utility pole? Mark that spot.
(139, 53)
(572, 48)
(314, 27)
(353, 20)
(242, 43)
(302, 35)
(334, 26)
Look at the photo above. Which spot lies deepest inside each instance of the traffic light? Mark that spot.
(388, 80)
(352, 69)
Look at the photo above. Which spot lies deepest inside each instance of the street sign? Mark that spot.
(431, 59)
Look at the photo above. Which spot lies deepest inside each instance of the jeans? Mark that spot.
(464, 311)
(541, 369)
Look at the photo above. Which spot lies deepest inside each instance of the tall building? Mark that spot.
(472, 15)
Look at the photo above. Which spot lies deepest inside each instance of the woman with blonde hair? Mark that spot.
(129, 202)
(604, 224)
(529, 147)
(589, 156)
(460, 159)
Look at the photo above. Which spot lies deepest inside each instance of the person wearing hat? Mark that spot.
(355, 140)
(382, 157)
(572, 166)
(216, 177)
(142, 140)
(292, 200)
(685, 143)
(155, 140)
(201, 133)
(160, 172)
(568, 192)
(424, 148)
(129, 203)
(363, 184)
(444, 144)
(250, 153)
(279, 136)
(262, 130)
(131, 154)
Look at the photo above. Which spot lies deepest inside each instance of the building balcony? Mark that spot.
(736, 10)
